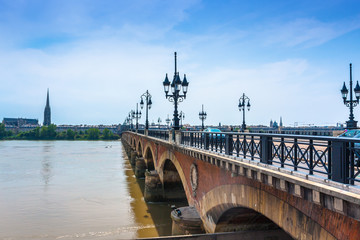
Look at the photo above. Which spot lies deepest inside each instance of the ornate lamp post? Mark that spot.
(242, 102)
(182, 117)
(176, 97)
(148, 101)
(131, 117)
(202, 116)
(159, 121)
(351, 124)
(137, 116)
(168, 120)
(127, 122)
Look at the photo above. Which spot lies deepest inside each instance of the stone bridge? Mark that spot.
(234, 193)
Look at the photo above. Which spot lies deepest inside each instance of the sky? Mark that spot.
(98, 57)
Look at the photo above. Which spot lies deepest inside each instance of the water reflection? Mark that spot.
(46, 170)
(154, 217)
(74, 190)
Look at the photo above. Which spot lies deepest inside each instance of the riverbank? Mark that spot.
(50, 133)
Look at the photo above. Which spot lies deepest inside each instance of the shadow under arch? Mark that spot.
(173, 178)
(133, 142)
(215, 203)
(139, 149)
(172, 184)
(149, 158)
(245, 219)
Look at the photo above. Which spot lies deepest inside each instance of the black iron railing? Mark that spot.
(162, 134)
(328, 157)
(333, 158)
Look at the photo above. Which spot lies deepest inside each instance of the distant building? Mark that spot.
(20, 122)
(275, 124)
(47, 112)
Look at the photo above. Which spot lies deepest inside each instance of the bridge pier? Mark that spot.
(185, 221)
(132, 157)
(126, 147)
(140, 167)
(153, 191)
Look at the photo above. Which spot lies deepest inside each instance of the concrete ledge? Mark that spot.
(244, 235)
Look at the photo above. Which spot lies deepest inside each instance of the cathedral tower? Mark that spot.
(47, 113)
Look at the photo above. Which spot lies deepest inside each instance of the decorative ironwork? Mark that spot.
(162, 134)
(182, 117)
(202, 116)
(337, 159)
(147, 97)
(308, 154)
(176, 97)
(351, 103)
(194, 178)
(242, 103)
(137, 116)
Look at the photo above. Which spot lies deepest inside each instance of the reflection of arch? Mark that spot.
(223, 198)
(164, 163)
(149, 158)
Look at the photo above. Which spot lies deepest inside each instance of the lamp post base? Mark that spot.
(351, 124)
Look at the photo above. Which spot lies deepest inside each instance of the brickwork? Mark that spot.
(303, 207)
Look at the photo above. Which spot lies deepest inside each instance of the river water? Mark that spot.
(74, 190)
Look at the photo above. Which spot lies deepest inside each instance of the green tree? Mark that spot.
(107, 134)
(52, 131)
(48, 132)
(44, 132)
(61, 135)
(70, 134)
(93, 134)
(3, 132)
(37, 133)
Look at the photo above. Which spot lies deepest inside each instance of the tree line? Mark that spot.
(50, 133)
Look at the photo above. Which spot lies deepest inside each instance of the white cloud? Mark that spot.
(99, 73)
(307, 32)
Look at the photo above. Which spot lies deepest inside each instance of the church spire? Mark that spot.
(47, 112)
(47, 99)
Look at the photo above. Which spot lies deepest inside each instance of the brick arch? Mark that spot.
(149, 157)
(139, 147)
(133, 142)
(160, 167)
(223, 198)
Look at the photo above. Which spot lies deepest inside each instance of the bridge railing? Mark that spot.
(327, 157)
(162, 134)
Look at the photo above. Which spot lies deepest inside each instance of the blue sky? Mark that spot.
(97, 57)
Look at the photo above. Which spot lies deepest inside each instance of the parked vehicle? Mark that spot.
(350, 133)
(354, 133)
(215, 133)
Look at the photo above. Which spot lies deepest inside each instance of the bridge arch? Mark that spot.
(133, 142)
(217, 202)
(243, 219)
(139, 148)
(149, 157)
(169, 169)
